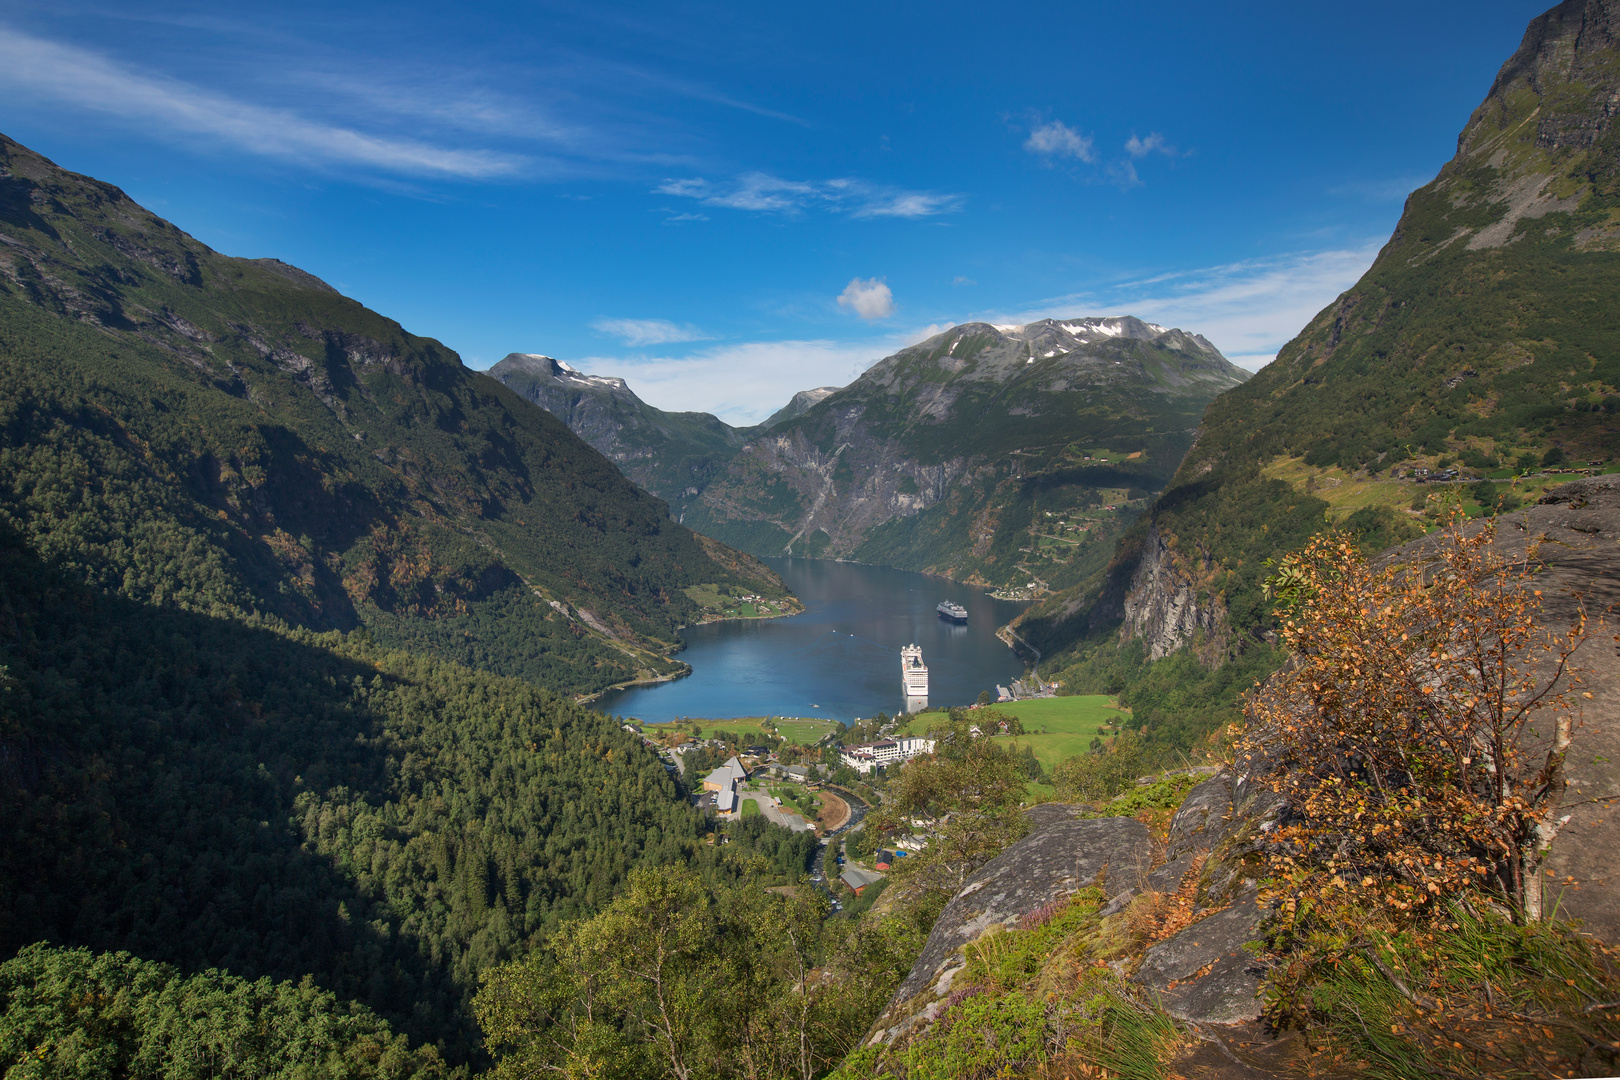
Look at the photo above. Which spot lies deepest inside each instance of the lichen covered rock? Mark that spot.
(1050, 863)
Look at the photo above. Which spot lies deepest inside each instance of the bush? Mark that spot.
(1402, 738)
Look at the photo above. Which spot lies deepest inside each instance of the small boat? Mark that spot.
(953, 611)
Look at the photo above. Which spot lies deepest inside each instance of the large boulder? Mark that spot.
(1058, 858)
(1575, 533)
(1203, 974)
(1576, 530)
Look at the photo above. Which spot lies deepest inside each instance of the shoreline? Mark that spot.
(586, 699)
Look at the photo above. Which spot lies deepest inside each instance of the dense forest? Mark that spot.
(214, 793)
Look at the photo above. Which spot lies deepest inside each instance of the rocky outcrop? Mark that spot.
(1058, 858)
(1162, 607)
(1203, 974)
(1574, 532)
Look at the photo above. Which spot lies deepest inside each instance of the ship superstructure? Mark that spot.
(914, 677)
(950, 609)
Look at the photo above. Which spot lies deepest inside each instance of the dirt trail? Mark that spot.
(834, 812)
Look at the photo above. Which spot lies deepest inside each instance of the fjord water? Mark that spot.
(840, 658)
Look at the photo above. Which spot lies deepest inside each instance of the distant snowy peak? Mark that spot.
(1065, 335)
(541, 364)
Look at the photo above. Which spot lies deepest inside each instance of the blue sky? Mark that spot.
(726, 203)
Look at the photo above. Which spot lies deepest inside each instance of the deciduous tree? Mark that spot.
(1419, 734)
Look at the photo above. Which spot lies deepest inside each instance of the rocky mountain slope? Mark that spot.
(233, 436)
(1485, 337)
(800, 404)
(942, 456)
(1174, 914)
(672, 455)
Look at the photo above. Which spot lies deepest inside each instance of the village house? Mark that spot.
(858, 879)
(723, 782)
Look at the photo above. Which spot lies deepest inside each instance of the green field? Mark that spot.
(801, 730)
(1055, 728)
(718, 605)
(805, 730)
(1347, 492)
(750, 808)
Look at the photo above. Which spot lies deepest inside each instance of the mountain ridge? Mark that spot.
(1484, 338)
(672, 455)
(933, 459)
(314, 461)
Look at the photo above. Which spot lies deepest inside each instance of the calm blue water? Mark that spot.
(841, 657)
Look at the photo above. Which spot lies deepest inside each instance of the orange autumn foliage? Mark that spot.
(1420, 731)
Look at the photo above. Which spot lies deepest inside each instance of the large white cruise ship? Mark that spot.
(914, 676)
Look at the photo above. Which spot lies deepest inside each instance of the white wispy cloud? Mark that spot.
(870, 299)
(1139, 148)
(1055, 139)
(1249, 309)
(639, 332)
(764, 193)
(746, 382)
(83, 79)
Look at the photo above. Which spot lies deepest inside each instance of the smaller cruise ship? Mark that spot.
(949, 609)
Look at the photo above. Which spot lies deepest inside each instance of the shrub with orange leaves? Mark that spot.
(1418, 734)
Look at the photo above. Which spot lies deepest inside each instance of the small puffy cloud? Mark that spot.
(1123, 173)
(1058, 140)
(905, 204)
(870, 299)
(960, 279)
(638, 332)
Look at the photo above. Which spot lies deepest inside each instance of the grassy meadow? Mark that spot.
(1347, 492)
(1055, 728)
(800, 730)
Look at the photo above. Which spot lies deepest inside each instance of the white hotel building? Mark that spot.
(868, 756)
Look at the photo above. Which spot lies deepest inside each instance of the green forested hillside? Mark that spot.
(208, 792)
(232, 435)
(228, 497)
(68, 1012)
(1486, 337)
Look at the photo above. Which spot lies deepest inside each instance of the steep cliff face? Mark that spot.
(950, 455)
(672, 455)
(1484, 336)
(1162, 607)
